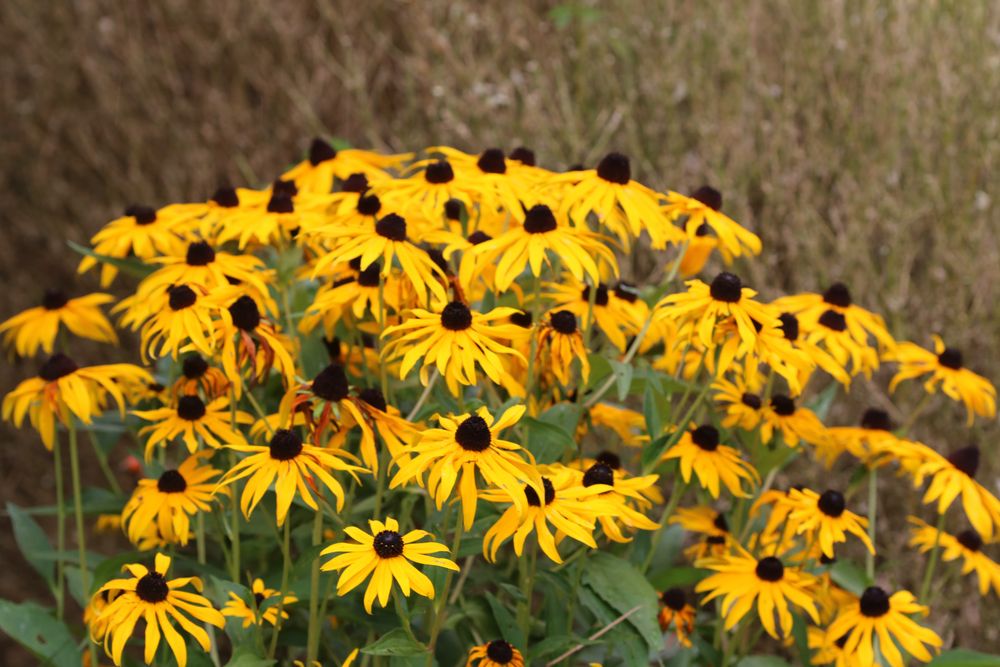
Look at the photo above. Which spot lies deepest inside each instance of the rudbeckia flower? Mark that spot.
(873, 442)
(563, 341)
(819, 356)
(247, 338)
(170, 500)
(427, 189)
(529, 246)
(142, 231)
(628, 425)
(293, 467)
(622, 492)
(795, 423)
(207, 267)
(947, 372)
(966, 545)
(827, 650)
(878, 615)
(316, 174)
(93, 618)
(465, 445)
(825, 518)
(192, 420)
(180, 316)
(150, 596)
(38, 327)
(675, 610)
(265, 607)
(271, 217)
(740, 580)
(705, 521)
(742, 401)
(396, 432)
(386, 557)
(198, 376)
(702, 208)
(699, 248)
(62, 390)
(699, 451)
(858, 322)
(492, 184)
(954, 476)
(357, 295)
(456, 341)
(624, 206)
(613, 315)
(830, 332)
(497, 653)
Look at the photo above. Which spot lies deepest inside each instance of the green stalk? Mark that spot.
(925, 586)
(527, 575)
(441, 603)
(286, 566)
(536, 303)
(60, 591)
(675, 498)
(312, 640)
(234, 528)
(872, 517)
(102, 460)
(81, 537)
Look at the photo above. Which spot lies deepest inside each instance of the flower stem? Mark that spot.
(872, 519)
(675, 498)
(60, 591)
(102, 460)
(925, 586)
(441, 603)
(285, 568)
(629, 354)
(312, 640)
(528, 571)
(81, 538)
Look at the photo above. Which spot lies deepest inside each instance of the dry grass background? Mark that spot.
(860, 139)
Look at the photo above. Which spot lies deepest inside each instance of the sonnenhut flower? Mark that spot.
(742, 401)
(563, 341)
(623, 492)
(699, 451)
(859, 322)
(207, 267)
(706, 521)
(613, 315)
(324, 163)
(628, 425)
(954, 476)
(150, 596)
(966, 545)
(265, 607)
(62, 390)
(740, 579)
(429, 187)
(464, 445)
(702, 208)
(529, 246)
(794, 422)
(247, 338)
(293, 467)
(675, 610)
(497, 653)
(385, 556)
(192, 419)
(170, 501)
(825, 517)
(38, 327)
(456, 341)
(197, 375)
(877, 614)
(141, 231)
(183, 314)
(947, 372)
(819, 356)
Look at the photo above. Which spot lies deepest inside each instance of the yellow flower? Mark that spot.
(741, 399)
(825, 517)
(628, 425)
(265, 606)
(702, 208)
(182, 314)
(615, 316)
(878, 615)
(38, 327)
(496, 653)
(324, 164)
(385, 556)
(142, 231)
(795, 423)
(675, 610)
(563, 341)
(699, 451)
(193, 420)
(954, 476)
(967, 545)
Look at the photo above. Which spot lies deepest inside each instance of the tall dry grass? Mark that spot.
(860, 139)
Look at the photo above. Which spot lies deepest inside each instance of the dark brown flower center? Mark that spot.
(831, 319)
(280, 203)
(609, 459)
(524, 155)
(876, 420)
(356, 182)
(770, 569)
(627, 291)
(970, 539)
(600, 297)
(500, 651)
(752, 401)
(615, 168)
(371, 276)
(57, 366)
(439, 172)
(285, 445)
(373, 397)
(539, 220)
(532, 495)
(369, 205)
(54, 299)
(388, 544)
(708, 196)
(258, 599)
(838, 295)
(453, 210)
(521, 318)
(456, 316)
(152, 588)
(789, 326)
(706, 437)
(599, 473)
(674, 598)
(190, 408)
(782, 405)
(832, 503)
(392, 227)
(331, 384)
(226, 197)
(181, 297)
(199, 253)
(492, 161)
(726, 287)
(284, 188)
(720, 522)
(144, 215)
(479, 236)
(194, 366)
(950, 358)
(715, 539)
(473, 434)
(966, 459)
(874, 602)
(171, 481)
(563, 321)
(245, 313)
(320, 151)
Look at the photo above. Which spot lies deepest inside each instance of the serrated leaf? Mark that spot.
(623, 377)
(546, 441)
(34, 628)
(849, 576)
(961, 657)
(506, 623)
(396, 643)
(31, 540)
(619, 584)
(564, 415)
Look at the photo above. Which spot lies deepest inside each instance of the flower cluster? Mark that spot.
(407, 348)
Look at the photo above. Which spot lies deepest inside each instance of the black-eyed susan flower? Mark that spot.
(829, 650)
(396, 432)
(702, 208)
(248, 339)
(581, 252)
(491, 182)
(741, 398)
(274, 216)
(830, 333)
(567, 505)
(613, 315)
(946, 370)
(171, 500)
(383, 557)
(497, 653)
(675, 610)
(740, 580)
(324, 164)
(182, 315)
(625, 493)
(198, 376)
(464, 445)
(455, 341)
(38, 327)
(294, 468)
(203, 265)
(954, 476)
(158, 601)
(877, 616)
(265, 605)
(826, 519)
(966, 545)
(357, 295)
(194, 421)
(627, 424)
(705, 305)
(697, 251)
(62, 390)
(562, 341)
(819, 356)
(699, 451)
(873, 441)
(794, 422)
(428, 189)
(705, 521)
(141, 231)
(859, 322)
(93, 614)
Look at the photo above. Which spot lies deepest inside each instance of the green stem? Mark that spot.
(872, 519)
(425, 395)
(380, 481)
(441, 603)
(102, 460)
(312, 640)
(629, 354)
(912, 418)
(675, 498)
(60, 591)
(682, 424)
(200, 536)
(81, 537)
(527, 576)
(285, 568)
(259, 410)
(925, 586)
(536, 307)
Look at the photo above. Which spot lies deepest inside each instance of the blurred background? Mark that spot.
(860, 140)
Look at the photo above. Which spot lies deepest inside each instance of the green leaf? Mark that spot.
(132, 266)
(654, 409)
(34, 628)
(623, 377)
(822, 403)
(622, 587)
(762, 661)
(801, 635)
(31, 540)
(564, 415)
(506, 623)
(244, 656)
(961, 657)
(546, 441)
(622, 638)
(395, 642)
(678, 576)
(849, 576)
